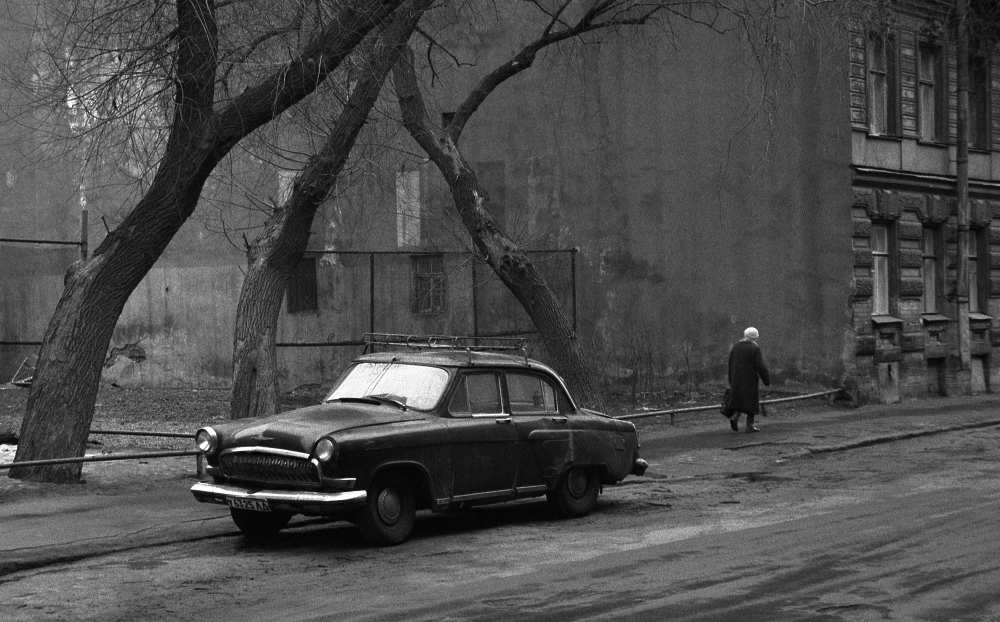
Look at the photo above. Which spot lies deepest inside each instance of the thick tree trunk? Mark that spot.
(255, 364)
(273, 256)
(64, 389)
(503, 255)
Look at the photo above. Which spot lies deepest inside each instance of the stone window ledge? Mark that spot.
(886, 321)
(934, 318)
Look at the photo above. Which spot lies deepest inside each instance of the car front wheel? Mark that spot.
(258, 526)
(576, 493)
(389, 512)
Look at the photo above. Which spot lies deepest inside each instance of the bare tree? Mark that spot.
(201, 132)
(511, 264)
(274, 254)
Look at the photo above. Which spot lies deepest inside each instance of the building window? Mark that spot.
(979, 282)
(882, 289)
(407, 209)
(301, 293)
(979, 102)
(429, 284)
(933, 90)
(883, 85)
(931, 268)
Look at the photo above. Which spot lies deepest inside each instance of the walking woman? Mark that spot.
(746, 366)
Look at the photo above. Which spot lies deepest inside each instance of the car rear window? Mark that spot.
(530, 394)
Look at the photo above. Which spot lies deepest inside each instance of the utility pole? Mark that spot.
(962, 192)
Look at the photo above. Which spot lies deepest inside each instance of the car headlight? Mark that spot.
(206, 440)
(325, 450)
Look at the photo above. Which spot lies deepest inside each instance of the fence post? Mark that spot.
(200, 468)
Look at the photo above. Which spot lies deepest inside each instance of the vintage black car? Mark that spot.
(430, 427)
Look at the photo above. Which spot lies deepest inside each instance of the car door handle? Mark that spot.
(504, 420)
(558, 419)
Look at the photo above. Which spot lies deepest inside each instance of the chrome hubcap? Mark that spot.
(388, 506)
(577, 483)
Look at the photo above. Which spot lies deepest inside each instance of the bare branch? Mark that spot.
(324, 52)
(607, 14)
(239, 56)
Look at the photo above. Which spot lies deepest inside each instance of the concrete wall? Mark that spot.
(705, 193)
(698, 208)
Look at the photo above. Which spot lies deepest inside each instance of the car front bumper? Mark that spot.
(295, 501)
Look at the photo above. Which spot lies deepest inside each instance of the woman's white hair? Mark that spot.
(751, 333)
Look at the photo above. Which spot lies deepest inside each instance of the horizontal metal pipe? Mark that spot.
(142, 433)
(317, 344)
(24, 241)
(532, 251)
(676, 411)
(103, 458)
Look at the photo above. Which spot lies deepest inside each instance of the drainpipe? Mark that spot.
(962, 188)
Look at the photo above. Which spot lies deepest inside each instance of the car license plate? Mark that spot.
(257, 505)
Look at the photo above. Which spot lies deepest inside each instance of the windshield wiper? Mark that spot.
(388, 398)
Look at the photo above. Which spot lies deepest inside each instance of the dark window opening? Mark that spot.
(933, 103)
(979, 274)
(979, 103)
(932, 268)
(301, 294)
(429, 284)
(885, 268)
(883, 84)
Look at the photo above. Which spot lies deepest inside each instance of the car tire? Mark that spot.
(390, 511)
(576, 493)
(259, 526)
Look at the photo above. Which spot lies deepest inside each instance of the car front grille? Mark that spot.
(269, 468)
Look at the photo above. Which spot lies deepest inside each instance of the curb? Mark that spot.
(890, 438)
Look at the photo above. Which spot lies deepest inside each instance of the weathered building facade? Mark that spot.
(904, 118)
(681, 189)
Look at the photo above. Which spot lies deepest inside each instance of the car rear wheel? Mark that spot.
(389, 512)
(576, 493)
(259, 526)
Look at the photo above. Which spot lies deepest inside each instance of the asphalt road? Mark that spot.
(809, 520)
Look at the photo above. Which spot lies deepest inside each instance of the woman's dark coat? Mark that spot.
(746, 365)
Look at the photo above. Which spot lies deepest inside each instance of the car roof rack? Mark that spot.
(373, 341)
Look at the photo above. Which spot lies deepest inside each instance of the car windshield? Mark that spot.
(414, 386)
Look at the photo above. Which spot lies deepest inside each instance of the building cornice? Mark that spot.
(868, 176)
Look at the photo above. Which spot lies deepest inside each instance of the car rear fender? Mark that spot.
(611, 453)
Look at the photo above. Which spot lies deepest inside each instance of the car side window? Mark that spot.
(476, 394)
(531, 394)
